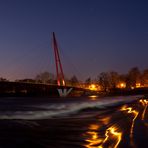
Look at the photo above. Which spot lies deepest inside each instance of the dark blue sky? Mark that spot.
(93, 36)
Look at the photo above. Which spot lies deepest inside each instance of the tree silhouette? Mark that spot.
(114, 79)
(74, 81)
(45, 77)
(133, 77)
(104, 81)
(145, 77)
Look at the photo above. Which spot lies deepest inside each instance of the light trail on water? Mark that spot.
(145, 104)
(111, 133)
(112, 137)
(93, 137)
(98, 137)
(130, 110)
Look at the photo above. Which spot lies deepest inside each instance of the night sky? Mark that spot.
(94, 36)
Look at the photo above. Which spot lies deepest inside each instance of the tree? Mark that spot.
(88, 80)
(103, 80)
(145, 77)
(45, 77)
(3, 79)
(133, 77)
(113, 79)
(74, 81)
(122, 77)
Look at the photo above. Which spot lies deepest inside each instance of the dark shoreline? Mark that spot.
(16, 89)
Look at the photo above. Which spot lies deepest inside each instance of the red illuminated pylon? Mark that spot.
(59, 69)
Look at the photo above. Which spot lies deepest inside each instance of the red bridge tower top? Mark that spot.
(59, 69)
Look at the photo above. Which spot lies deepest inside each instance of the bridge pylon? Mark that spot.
(59, 70)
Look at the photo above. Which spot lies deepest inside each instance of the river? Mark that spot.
(87, 122)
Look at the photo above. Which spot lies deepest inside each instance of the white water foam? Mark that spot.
(58, 110)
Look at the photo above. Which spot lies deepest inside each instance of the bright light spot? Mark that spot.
(138, 85)
(121, 85)
(93, 87)
(58, 83)
(93, 97)
(63, 83)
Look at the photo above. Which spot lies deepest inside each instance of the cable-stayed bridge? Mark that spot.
(61, 88)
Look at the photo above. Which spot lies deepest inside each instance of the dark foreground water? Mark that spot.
(90, 122)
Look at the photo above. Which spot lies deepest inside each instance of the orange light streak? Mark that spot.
(105, 120)
(112, 131)
(145, 104)
(135, 113)
(93, 97)
(93, 139)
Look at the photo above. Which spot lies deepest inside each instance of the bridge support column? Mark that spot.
(64, 92)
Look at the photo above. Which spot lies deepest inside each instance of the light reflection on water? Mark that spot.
(93, 97)
(93, 140)
(112, 137)
(112, 133)
(135, 113)
(105, 120)
(95, 137)
(145, 104)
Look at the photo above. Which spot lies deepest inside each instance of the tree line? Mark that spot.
(134, 78)
(106, 80)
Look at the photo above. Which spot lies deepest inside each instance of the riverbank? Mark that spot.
(16, 89)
